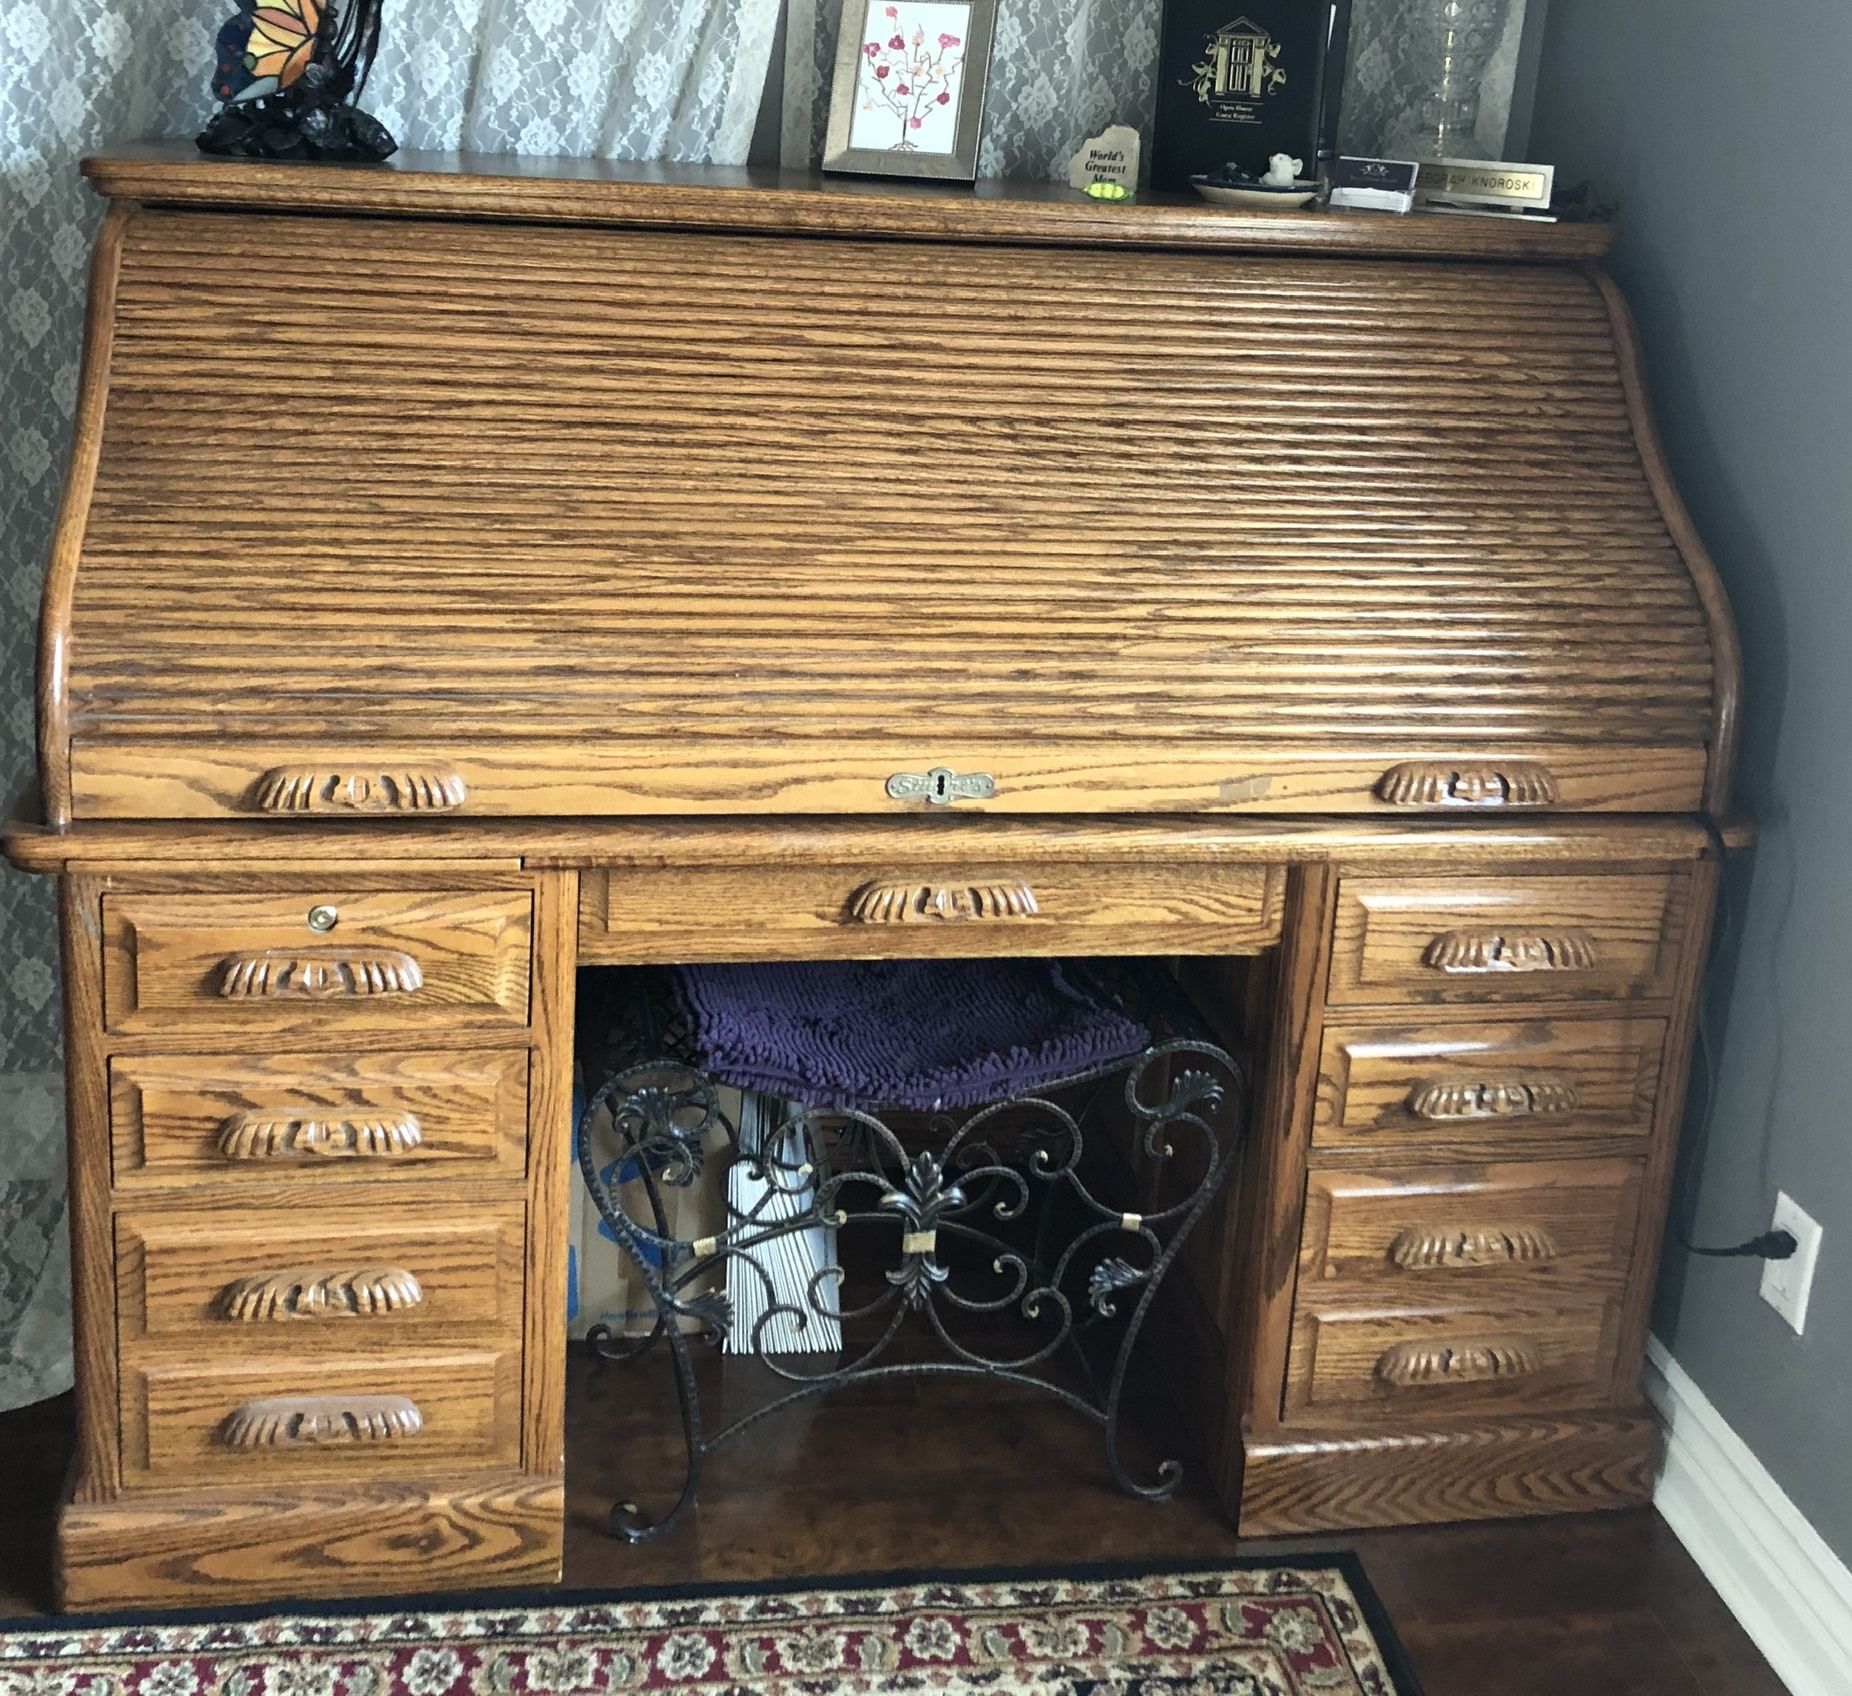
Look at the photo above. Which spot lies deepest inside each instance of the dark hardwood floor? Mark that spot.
(936, 1476)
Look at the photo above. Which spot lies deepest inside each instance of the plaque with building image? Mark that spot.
(1242, 80)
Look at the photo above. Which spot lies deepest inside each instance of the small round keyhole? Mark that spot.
(324, 918)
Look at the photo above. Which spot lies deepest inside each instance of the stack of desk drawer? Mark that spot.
(1481, 1142)
(318, 1099)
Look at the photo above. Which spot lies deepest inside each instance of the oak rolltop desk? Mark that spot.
(474, 571)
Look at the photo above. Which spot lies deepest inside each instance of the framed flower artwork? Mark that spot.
(908, 97)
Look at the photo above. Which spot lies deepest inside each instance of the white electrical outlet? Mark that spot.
(1786, 1284)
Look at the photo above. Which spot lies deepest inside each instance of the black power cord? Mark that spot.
(1770, 1245)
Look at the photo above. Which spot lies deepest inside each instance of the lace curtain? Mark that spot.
(1064, 69)
(647, 79)
(612, 79)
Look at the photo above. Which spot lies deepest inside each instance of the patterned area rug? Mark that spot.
(1245, 1629)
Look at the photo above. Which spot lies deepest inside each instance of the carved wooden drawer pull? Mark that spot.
(1474, 783)
(1562, 949)
(321, 1292)
(1491, 1098)
(297, 1135)
(312, 789)
(292, 1422)
(1405, 1364)
(320, 974)
(909, 903)
(1435, 1248)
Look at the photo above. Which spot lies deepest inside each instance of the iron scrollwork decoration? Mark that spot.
(993, 1222)
(289, 72)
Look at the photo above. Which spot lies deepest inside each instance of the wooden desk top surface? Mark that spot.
(719, 197)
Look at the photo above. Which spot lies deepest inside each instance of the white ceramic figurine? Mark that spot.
(1283, 171)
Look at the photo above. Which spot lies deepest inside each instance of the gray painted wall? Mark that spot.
(1725, 132)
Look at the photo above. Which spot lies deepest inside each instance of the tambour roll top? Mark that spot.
(422, 491)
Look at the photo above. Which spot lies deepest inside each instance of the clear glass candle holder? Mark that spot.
(1451, 46)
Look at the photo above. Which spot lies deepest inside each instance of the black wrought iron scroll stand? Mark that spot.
(850, 1169)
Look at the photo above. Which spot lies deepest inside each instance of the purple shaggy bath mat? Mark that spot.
(909, 1033)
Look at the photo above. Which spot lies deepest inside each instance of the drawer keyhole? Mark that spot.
(941, 786)
(324, 918)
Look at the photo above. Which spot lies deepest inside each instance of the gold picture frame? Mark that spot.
(908, 95)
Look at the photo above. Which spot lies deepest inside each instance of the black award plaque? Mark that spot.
(1242, 80)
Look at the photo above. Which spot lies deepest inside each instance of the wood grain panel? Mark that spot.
(1386, 539)
(621, 191)
(269, 1538)
(1668, 1120)
(304, 1119)
(395, 960)
(159, 847)
(175, 1414)
(1506, 939)
(177, 1271)
(1271, 1192)
(1384, 1089)
(1558, 1231)
(1521, 1465)
(96, 1466)
(551, 1175)
(810, 911)
(54, 635)
(603, 772)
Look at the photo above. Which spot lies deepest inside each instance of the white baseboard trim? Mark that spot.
(1787, 1589)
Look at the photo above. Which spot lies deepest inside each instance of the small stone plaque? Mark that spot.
(1109, 157)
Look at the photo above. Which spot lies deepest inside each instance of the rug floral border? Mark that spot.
(1244, 1625)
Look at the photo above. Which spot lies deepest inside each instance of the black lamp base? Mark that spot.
(281, 127)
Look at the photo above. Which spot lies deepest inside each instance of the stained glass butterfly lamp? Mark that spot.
(288, 75)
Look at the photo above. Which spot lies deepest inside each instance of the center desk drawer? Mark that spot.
(773, 911)
(229, 1285)
(317, 1118)
(317, 960)
(1451, 939)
